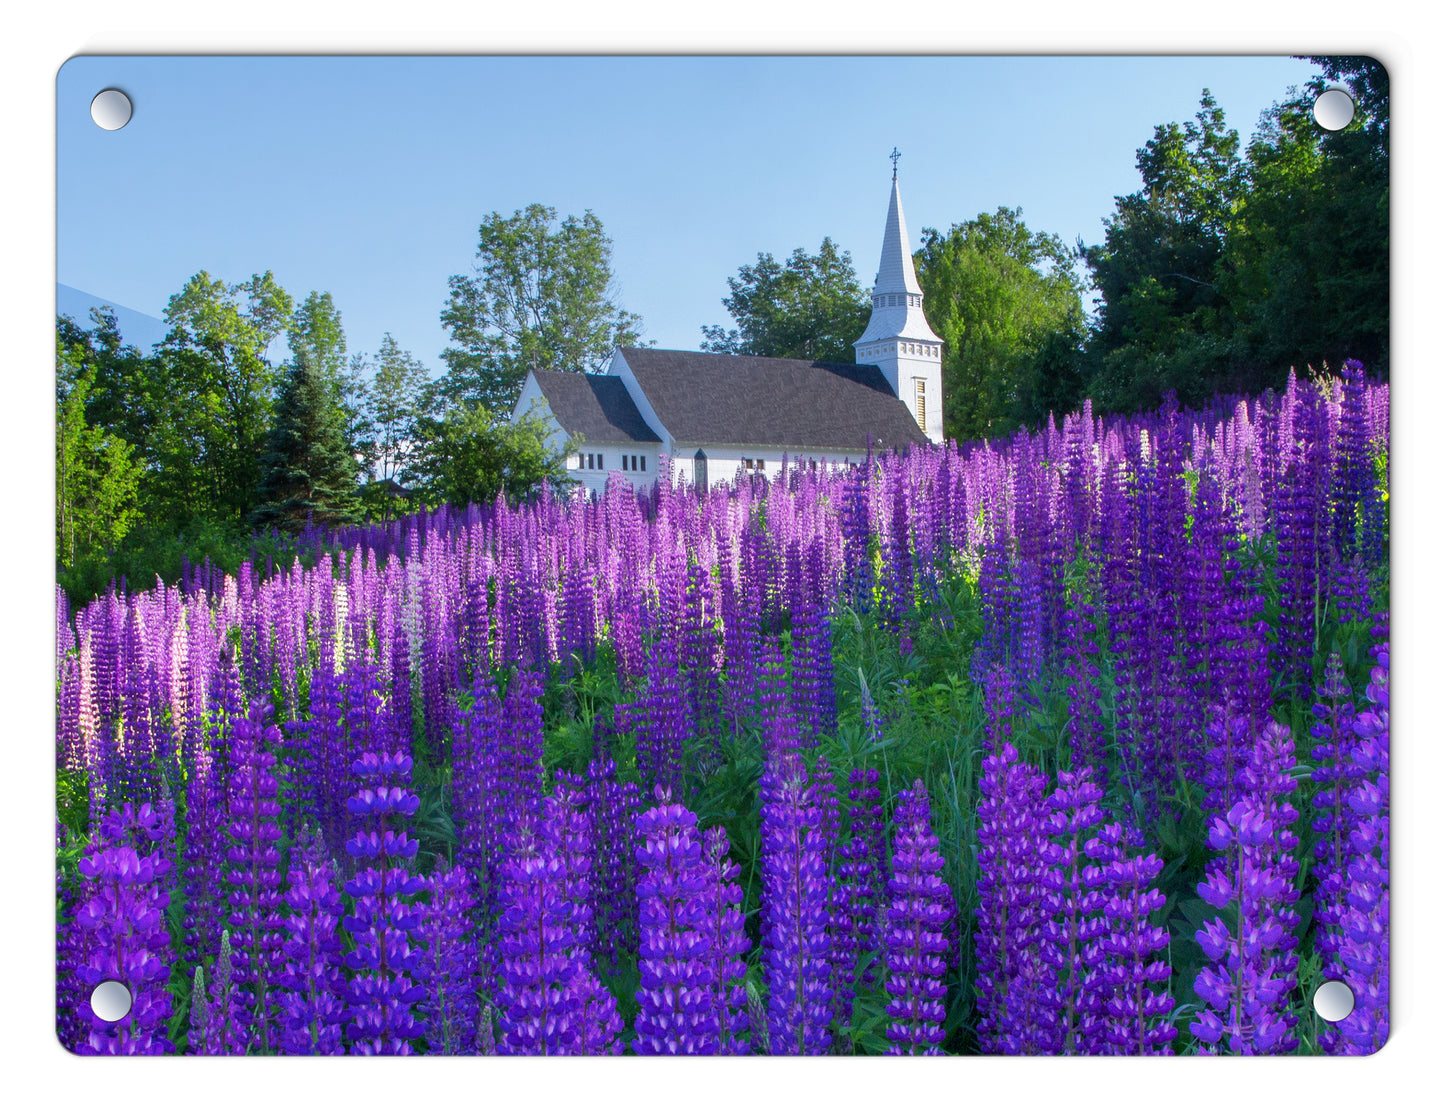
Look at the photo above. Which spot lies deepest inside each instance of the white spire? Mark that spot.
(895, 265)
(897, 296)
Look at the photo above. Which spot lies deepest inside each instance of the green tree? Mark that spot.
(97, 478)
(1222, 273)
(119, 398)
(811, 307)
(213, 386)
(309, 467)
(470, 455)
(399, 399)
(1160, 323)
(541, 298)
(1306, 270)
(1007, 304)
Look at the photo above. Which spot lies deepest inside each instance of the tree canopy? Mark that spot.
(542, 297)
(470, 455)
(810, 307)
(97, 476)
(211, 393)
(309, 466)
(1226, 269)
(1007, 304)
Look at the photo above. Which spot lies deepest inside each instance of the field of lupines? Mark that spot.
(1071, 743)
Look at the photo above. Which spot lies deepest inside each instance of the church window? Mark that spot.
(699, 470)
(919, 409)
(644, 463)
(589, 461)
(600, 465)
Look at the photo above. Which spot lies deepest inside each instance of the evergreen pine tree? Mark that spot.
(307, 468)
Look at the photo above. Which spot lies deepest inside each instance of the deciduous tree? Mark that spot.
(1007, 304)
(470, 455)
(541, 297)
(810, 307)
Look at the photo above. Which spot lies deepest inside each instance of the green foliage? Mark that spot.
(541, 299)
(97, 478)
(159, 551)
(810, 307)
(1222, 272)
(308, 469)
(1157, 269)
(470, 455)
(213, 394)
(398, 399)
(1007, 304)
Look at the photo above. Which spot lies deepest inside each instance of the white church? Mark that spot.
(715, 415)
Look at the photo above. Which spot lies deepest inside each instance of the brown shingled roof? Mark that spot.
(595, 407)
(705, 398)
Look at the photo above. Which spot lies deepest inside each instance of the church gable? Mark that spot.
(706, 398)
(596, 408)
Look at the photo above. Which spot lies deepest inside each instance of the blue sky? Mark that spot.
(368, 177)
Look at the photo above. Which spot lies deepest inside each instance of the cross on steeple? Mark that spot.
(895, 156)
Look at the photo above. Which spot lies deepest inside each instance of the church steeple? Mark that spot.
(898, 339)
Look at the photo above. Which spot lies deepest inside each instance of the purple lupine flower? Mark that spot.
(1363, 924)
(861, 881)
(1350, 592)
(70, 990)
(202, 859)
(1086, 720)
(1352, 482)
(599, 1019)
(898, 561)
(222, 1027)
(1337, 774)
(998, 697)
(614, 866)
(477, 791)
(727, 943)
(663, 727)
(254, 897)
(1015, 983)
(523, 744)
(1132, 1017)
(382, 990)
(311, 978)
(1032, 622)
(567, 826)
(1073, 905)
(326, 760)
(676, 1011)
(448, 964)
(122, 920)
(857, 560)
(486, 1032)
(1246, 986)
(919, 909)
(795, 891)
(537, 1003)
(200, 1019)
(1300, 513)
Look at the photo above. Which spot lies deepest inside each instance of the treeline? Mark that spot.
(1224, 269)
